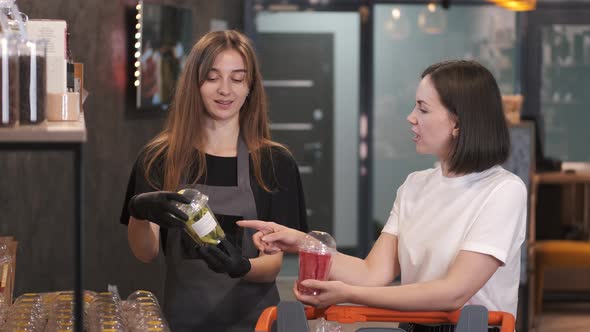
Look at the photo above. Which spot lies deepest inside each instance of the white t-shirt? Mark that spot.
(434, 217)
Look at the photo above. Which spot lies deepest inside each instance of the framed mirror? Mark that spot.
(160, 38)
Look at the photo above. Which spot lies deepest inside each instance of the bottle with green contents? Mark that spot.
(201, 224)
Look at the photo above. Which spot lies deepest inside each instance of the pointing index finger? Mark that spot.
(259, 225)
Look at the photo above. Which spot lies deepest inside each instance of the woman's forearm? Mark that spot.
(265, 268)
(378, 269)
(465, 277)
(353, 271)
(438, 295)
(144, 239)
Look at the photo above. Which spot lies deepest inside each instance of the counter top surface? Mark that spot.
(46, 132)
(562, 177)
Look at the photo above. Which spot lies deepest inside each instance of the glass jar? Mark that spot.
(32, 81)
(15, 18)
(9, 81)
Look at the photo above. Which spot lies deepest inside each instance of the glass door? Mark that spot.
(407, 38)
(310, 62)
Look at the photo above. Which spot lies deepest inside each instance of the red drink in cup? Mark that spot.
(313, 265)
(315, 258)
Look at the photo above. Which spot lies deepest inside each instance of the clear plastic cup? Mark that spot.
(202, 226)
(315, 259)
(143, 296)
(143, 313)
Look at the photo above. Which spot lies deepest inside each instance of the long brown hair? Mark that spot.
(182, 133)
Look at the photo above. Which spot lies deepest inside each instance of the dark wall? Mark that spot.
(36, 203)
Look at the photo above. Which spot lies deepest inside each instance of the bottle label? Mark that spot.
(205, 225)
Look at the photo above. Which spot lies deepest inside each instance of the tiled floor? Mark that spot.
(564, 317)
(556, 317)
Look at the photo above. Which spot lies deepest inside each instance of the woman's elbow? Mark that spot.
(270, 277)
(265, 268)
(143, 240)
(273, 273)
(145, 256)
(457, 300)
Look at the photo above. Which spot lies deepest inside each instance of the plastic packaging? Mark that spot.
(143, 313)
(3, 309)
(32, 81)
(5, 267)
(327, 326)
(5, 272)
(16, 19)
(26, 314)
(8, 248)
(22, 70)
(9, 81)
(61, 311)
(105, 313)
(201, 225)
(315, 259)
(63, 106)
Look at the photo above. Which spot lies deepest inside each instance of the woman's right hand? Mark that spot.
(272, 238)
(159, 207)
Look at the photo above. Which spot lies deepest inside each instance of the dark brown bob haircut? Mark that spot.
(470, 93)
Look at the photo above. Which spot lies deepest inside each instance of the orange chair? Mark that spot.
(352, 314)
(557, 253)
(545, 254)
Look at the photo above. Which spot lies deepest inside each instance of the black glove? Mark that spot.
(225, 258)
(159, 208)
(190, 250)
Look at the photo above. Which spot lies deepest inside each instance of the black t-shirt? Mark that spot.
(284, 205)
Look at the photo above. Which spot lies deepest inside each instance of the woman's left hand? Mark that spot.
(225, 258)
(331, 292)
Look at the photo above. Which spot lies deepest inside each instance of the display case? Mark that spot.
(69, 136)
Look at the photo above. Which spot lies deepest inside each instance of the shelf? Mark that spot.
(562, 177)
(47, 132)
(566, 67)
(569, 103)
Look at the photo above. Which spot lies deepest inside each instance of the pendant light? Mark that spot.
(517, 5)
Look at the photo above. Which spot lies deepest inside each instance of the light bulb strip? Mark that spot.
(137, 55)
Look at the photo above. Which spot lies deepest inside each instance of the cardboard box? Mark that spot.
(54, 32)
(79, 81)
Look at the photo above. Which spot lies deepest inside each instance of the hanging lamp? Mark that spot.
(516, 5)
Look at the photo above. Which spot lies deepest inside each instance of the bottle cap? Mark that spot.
(318, 242)
(198, 199)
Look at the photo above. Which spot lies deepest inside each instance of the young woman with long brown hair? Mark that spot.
(217, 140)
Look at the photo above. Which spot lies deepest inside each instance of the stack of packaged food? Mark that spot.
(54, 312)
(142, 312)
(7, 261)
(26, 314)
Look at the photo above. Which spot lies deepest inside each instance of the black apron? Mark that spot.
(198, 299)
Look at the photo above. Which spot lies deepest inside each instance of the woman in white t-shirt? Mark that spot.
(455, 231)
